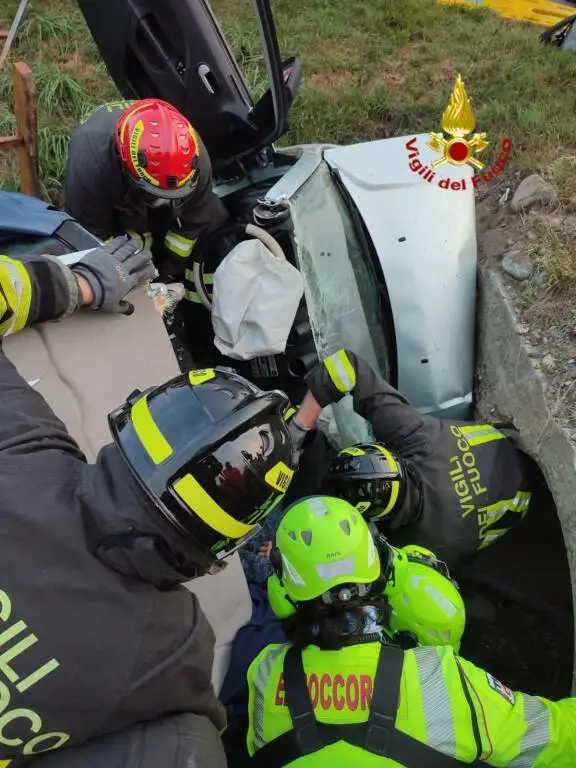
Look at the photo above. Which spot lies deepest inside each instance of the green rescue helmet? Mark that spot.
(322, 543)
(425, 602)
(213, 454)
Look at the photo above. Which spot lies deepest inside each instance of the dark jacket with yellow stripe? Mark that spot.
(96, 633)
(466, 483)
(97, 194)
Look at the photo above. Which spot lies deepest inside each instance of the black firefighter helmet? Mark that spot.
(212, 452)
(371, 478)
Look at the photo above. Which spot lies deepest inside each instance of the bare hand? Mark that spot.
(265, 550)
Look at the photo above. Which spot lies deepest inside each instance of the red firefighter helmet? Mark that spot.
(159, 149)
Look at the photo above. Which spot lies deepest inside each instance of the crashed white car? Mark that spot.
(388, 260)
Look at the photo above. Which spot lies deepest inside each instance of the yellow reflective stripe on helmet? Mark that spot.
(341, 371)
(389, 456)
(352, 451)
(395, 485)
(17, 290)
(135, 137)
(207, 509)
(153, 441)
(478, 434)
(5, 763)
(137, 107)
(178, 244)
(201, 375)
(279, 477)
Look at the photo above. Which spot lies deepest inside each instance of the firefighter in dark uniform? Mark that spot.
(140, 168)
(451, 486)
(104, 656)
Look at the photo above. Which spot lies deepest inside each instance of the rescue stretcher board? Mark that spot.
(544, 13)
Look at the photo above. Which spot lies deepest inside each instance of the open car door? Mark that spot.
(175, 50)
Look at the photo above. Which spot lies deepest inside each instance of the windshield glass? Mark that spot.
(239, 24)
(342, 289)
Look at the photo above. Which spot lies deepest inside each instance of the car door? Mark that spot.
(175, 50)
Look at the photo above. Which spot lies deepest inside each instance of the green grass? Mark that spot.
(371, 70)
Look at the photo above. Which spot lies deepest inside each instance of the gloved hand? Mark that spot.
(297, 435)
(113, 270)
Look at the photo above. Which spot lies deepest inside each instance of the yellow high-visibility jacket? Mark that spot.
(443, 701)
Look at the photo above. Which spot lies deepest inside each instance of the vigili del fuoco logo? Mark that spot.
(458, 144)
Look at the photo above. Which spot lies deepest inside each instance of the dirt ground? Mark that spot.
(520, 625)
(545, 302)
(518, 598)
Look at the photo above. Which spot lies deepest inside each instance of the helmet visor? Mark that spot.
(233, 488)
(154, 196)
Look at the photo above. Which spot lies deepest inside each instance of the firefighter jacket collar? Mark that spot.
(125, 531)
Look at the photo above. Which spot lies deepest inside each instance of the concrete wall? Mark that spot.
(511, 388)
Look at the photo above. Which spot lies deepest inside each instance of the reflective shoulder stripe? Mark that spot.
(260, 686)
(341, 371)
(436, 701)
(17, 290)
(178, 244)
(208, 510)
(478, 434)
(490, 515)
(152, 439)
(537, 734)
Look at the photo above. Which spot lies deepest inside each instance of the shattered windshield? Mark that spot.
(342, 290)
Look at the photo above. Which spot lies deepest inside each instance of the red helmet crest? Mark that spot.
(159, 148)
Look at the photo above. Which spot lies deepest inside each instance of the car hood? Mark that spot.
(425, 240)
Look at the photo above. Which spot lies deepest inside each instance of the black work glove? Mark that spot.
(333, 378)
(113, 270)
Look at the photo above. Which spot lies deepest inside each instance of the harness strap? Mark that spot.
(305, 733)
(378, 735)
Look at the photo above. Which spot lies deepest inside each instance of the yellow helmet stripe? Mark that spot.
(207, 509)
(153, 441)
(200, 375)
(390, 458)
(395, 490)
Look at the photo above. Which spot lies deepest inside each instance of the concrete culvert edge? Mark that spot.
(511, 389)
